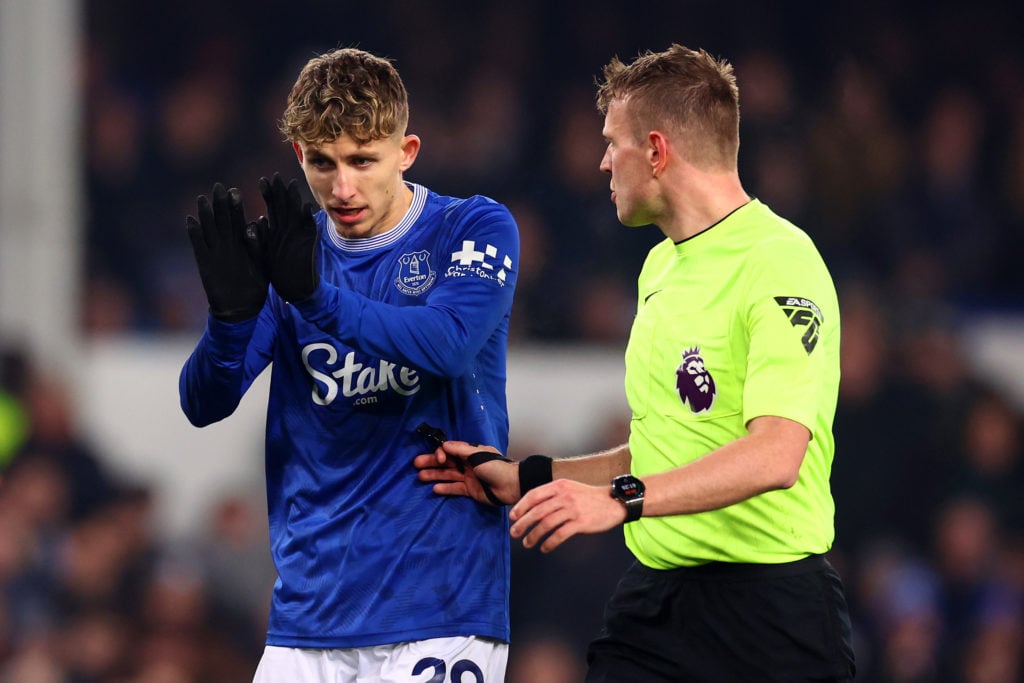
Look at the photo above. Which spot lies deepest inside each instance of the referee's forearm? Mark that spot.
(596, 469)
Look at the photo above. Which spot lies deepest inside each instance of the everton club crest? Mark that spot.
(414, 273)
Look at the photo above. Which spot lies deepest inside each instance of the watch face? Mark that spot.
(629, 490)
(628, 486)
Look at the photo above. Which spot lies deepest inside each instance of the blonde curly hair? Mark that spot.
(346, 91)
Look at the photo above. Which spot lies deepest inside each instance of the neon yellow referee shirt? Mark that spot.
(736, 322)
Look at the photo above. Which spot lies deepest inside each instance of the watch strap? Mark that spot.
(634, 509)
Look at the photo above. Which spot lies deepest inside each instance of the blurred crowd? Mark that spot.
(895, 137)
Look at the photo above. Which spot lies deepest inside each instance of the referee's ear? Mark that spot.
(657, 152)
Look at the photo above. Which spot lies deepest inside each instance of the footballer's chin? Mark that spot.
(349, 217)
(350, 224)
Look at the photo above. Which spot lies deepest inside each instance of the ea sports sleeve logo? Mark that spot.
(695, 384)
(803, 313)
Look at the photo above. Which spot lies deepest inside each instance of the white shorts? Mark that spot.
(462, 659)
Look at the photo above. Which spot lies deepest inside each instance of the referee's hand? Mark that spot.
(551, 514)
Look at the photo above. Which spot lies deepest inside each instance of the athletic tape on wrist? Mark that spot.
(534, 471)
(479, 458)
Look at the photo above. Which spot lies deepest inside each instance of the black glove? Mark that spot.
(229, 263)
(289, 237)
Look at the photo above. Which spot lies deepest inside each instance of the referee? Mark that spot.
(732, 374)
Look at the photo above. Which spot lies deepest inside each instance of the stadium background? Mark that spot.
(132, 548)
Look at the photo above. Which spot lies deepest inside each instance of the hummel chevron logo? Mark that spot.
(803, 313)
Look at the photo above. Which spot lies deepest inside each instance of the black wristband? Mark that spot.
(534, 471)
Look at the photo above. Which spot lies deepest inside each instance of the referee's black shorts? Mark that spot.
(725, 623)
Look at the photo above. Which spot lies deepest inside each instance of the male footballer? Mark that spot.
(385, 325)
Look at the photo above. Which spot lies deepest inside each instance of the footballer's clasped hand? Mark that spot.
(288, 237)
(235, 284)
(237, 259)
(445, 468)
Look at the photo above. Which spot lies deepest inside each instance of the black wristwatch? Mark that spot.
(629, 490)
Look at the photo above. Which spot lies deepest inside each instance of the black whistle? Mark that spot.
(436, 437)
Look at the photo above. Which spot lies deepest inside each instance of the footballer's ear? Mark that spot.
(298, 152)
(410, 148)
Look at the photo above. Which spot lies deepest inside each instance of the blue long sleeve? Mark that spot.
(441, 338)
(221, 369)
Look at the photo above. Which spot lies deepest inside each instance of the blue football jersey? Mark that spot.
(406, 327)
